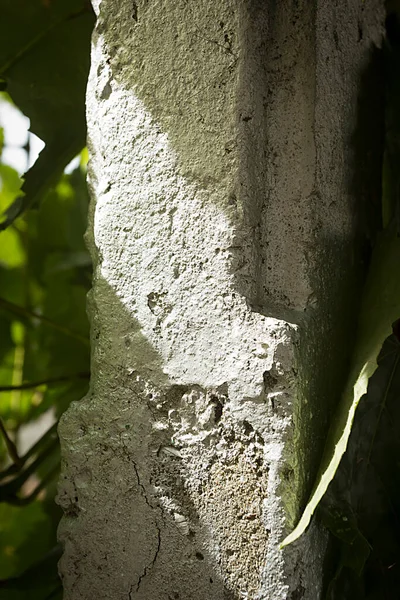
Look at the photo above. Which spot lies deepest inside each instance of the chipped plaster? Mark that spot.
(212, 225)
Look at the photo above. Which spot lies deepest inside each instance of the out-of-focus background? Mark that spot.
(45, 273)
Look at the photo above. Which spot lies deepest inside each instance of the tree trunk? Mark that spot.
(231, 159)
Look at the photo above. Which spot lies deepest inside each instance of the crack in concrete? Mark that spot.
(131, 590)
(227, 47)
(140, 484)
(151, 564)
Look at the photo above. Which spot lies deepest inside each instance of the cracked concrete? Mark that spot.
(226, 238)
(150, 565)
(153, 560)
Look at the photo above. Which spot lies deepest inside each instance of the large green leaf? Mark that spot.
(380, 308)
(362, 503)
(44, 58)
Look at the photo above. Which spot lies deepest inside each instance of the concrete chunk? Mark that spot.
(226, 240)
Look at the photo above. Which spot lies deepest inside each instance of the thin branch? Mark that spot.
(10, 488)
(11, 447)
(26, 312)
(13, 469)
(34, 384)
(15, 500)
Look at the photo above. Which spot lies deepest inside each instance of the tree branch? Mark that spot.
(34, 384)
(11, 447)
(26, 312)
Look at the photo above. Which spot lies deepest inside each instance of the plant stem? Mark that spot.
(26, 312)
(34, 384)
(11, 447)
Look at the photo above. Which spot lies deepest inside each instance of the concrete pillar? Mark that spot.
(226, 240)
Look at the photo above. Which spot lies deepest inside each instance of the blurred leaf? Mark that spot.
(12, 259)
(380, 308)
(47, 294)
(38, 582)
(44, 57)
(60, 225)
(11, 248)
(18, 528)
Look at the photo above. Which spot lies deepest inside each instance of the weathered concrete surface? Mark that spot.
(225, 240)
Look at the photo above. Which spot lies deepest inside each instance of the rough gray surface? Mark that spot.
(219, 136)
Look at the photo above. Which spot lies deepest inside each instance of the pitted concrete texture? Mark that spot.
(225, 241)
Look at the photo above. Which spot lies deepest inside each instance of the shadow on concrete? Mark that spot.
(123, 482)
(126, 442)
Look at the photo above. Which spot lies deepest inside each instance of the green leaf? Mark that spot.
(38, 582)
(47, 294)
(12, 255)
(56, 237)
(12, 252)
(380, 308)
(363, 500)
(44, 57)
(17, 526)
